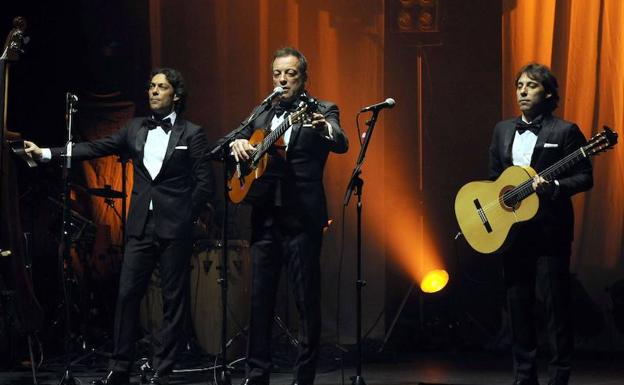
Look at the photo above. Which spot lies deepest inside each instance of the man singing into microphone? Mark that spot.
(288, 217)
(172, 182)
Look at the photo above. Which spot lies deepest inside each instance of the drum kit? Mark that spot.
(204, 298)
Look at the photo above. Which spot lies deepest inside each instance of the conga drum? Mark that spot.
(205, 297)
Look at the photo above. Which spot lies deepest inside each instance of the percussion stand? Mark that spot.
(123, 160)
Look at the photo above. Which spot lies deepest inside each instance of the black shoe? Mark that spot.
(250, 381)
(159, 379)
(113, 377)
(526, 382)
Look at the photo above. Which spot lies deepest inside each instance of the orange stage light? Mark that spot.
(434, 281)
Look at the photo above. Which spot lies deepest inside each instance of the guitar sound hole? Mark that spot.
(509, 203)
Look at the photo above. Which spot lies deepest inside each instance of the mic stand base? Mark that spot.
(224, 376)
(357, 380)
(69, 379)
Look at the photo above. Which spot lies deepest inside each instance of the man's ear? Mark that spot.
(548, 96)
(176, 98)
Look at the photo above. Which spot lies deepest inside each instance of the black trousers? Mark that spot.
(543, 276)
(280, 238)
(141, 257)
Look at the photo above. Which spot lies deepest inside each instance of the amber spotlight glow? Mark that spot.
(434, 281)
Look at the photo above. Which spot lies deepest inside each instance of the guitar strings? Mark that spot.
(525, 188)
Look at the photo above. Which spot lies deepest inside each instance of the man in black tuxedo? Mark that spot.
(288, 217)
(172, 182)
(536, 265)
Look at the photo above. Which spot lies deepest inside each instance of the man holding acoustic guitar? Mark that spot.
(536, 260)
(289, 210)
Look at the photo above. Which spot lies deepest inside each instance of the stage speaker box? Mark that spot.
(204, 322)
(416, 23)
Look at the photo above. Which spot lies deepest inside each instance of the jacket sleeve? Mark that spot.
(202, 171)
(338, 142)
(495, 161)
(115, 143)
(580, 177)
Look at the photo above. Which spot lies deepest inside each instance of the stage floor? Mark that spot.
(437, 368)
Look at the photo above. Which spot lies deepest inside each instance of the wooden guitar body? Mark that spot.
(245, 174)
(482, 214)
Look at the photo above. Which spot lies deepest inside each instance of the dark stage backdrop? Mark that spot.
(356, 59)
(449, 95)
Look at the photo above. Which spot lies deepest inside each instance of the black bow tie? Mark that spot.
(164, 123)
(281, 108)
(521, 127)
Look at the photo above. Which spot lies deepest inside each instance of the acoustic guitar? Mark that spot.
(486, 211)
(244, 173)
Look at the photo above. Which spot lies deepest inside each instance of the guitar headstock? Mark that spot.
(15, 40)
(307, 105)
(600, 142)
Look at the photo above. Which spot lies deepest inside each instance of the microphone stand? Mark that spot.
(221, 152)
(65, 263)
(357, 183)
(123, 160)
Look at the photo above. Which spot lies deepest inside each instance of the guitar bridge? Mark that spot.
(482, 215)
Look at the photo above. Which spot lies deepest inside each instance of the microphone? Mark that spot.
(277, 91)
(388, 103)
(71, 98)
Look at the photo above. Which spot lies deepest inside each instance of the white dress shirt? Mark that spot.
(156, 148)
(523, 145)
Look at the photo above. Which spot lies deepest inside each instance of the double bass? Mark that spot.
(15, 276)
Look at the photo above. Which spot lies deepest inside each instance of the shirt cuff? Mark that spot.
(46, 155)
(556, 190)
(330, 134)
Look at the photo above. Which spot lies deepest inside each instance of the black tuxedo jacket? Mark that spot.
(181, 188)
(554, 224)
(296, 181)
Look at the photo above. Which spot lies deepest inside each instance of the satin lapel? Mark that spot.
(141, 137)
(510, 133)
(176, 132)
(544, 134)
(294, 134)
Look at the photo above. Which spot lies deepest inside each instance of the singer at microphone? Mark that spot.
(289, 211)
(388, 103)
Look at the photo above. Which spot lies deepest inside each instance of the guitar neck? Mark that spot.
(273, 136)
(525, 189)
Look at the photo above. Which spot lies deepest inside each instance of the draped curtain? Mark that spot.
(583, 42)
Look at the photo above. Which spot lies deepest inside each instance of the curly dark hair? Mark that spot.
(174, 77)
(542, 74)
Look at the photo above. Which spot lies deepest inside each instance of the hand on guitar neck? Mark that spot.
(543, 187)
(242, 149)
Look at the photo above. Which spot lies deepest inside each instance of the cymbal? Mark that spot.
(105, 192)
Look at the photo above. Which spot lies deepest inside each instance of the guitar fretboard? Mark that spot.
(523, 190)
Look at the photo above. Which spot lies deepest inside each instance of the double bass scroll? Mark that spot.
(17, 279)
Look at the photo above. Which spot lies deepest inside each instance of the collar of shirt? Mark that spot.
(172, 118)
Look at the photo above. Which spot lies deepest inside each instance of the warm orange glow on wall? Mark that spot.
(411, 244)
